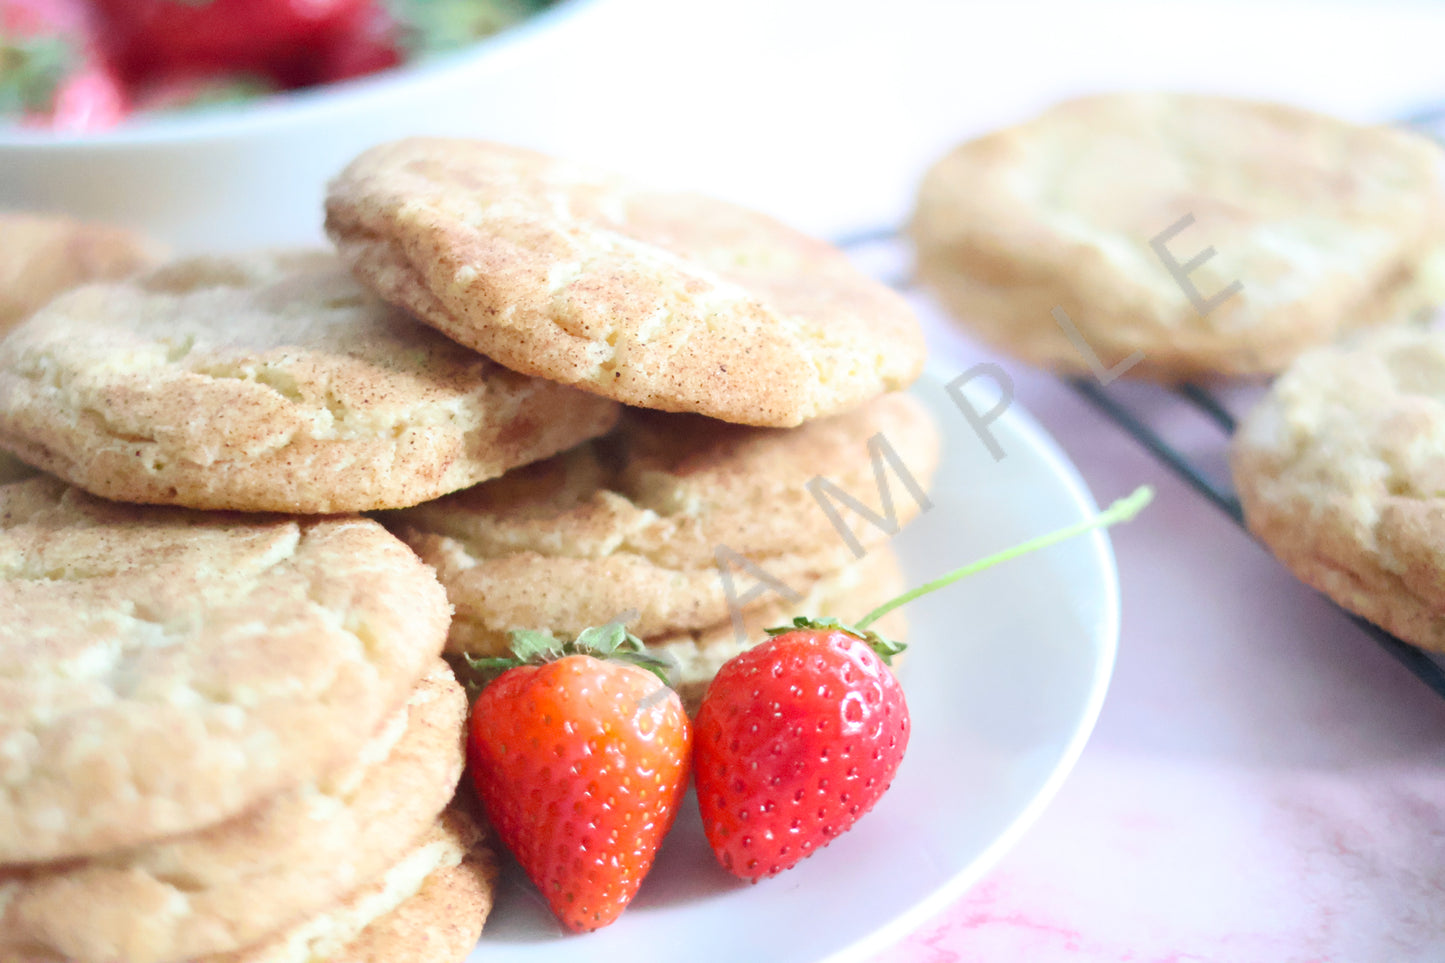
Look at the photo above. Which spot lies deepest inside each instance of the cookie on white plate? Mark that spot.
(228, 885)
(636, 521)
(268, 382)
(846, 595)
(163, 670)
(661, 300)
(427, 907)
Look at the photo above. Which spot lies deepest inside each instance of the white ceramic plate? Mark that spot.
(1005, 677)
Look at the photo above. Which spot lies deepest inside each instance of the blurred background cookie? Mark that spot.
(43, 255)
(1104, 207)
(162, 670)
(12, 468)
(268, 383)
(660, 300)
(634, 521)
(1341, 472)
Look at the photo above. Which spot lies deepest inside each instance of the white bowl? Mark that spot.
(255, 174)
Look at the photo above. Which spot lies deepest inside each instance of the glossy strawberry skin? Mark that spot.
(367, 41)
(581, 765)
(796, 739)
(159, 37)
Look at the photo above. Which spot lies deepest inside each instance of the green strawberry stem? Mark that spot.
(1121, 511)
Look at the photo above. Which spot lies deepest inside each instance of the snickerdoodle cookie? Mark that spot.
(661, 300)
(268, 383)
(637, 520)
(229, 885)
(1104, 207)
(428, 907)
(43, 255)
(162, 670)
(1341, 471)
(846, 595)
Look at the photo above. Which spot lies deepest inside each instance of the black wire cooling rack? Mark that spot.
(1132, 417)
(1137, 414)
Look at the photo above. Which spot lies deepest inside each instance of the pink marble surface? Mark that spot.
(1265, 784)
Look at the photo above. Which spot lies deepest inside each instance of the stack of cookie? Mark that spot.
(767, 362)
(631, 527)
(1177, 237)
(225, 732)
(230, 735)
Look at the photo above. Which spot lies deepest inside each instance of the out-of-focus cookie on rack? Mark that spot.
(42, 255)
(1105, 206)
(660, 300)
(229, 885)
(163, 670)
(634, 521)
(1341, 473)
(269, 382)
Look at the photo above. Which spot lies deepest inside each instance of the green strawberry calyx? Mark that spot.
(885, 647)
(611, 642)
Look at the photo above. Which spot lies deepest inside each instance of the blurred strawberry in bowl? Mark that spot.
(53, 71)
(81, 65)
(272, 134)
(187, 90)
(154, 37)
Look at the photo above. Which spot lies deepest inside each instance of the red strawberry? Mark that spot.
(367, 41)
(52, 73)
(167, 36)
(581, 764)
(89, 99)
(796, 740)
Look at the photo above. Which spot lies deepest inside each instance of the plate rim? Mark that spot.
(1047, 448)
(1022, 433)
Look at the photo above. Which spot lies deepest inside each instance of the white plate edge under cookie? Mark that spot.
(1002, 694)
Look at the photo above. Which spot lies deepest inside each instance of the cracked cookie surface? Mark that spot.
(268, 383)
(231, 884)
(1326, 225)
(634, 521)
(1341, 471)
(162, 670)
(661, 300)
